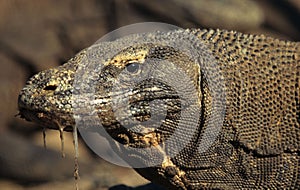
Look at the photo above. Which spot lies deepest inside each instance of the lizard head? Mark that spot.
(144, 91)
(47, 98)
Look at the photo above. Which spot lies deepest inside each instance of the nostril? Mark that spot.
(50, 87)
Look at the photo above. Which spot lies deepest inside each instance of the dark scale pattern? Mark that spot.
(262, 85)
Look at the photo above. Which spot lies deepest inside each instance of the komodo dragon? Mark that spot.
(257, 146)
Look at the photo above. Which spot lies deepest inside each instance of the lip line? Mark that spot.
(42, 119)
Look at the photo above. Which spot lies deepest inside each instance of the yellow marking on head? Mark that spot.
(124, 58)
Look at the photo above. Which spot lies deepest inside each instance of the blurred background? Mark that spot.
(37, 35)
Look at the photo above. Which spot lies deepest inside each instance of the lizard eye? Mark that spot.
(133, 68)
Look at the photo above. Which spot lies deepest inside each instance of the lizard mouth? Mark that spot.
(43, 119)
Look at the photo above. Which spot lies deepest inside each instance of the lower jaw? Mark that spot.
(44, 120)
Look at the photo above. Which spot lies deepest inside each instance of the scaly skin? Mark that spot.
(258, 146)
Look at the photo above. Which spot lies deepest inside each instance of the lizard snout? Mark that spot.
(46, 98)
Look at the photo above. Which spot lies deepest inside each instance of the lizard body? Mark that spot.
(258, 146)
